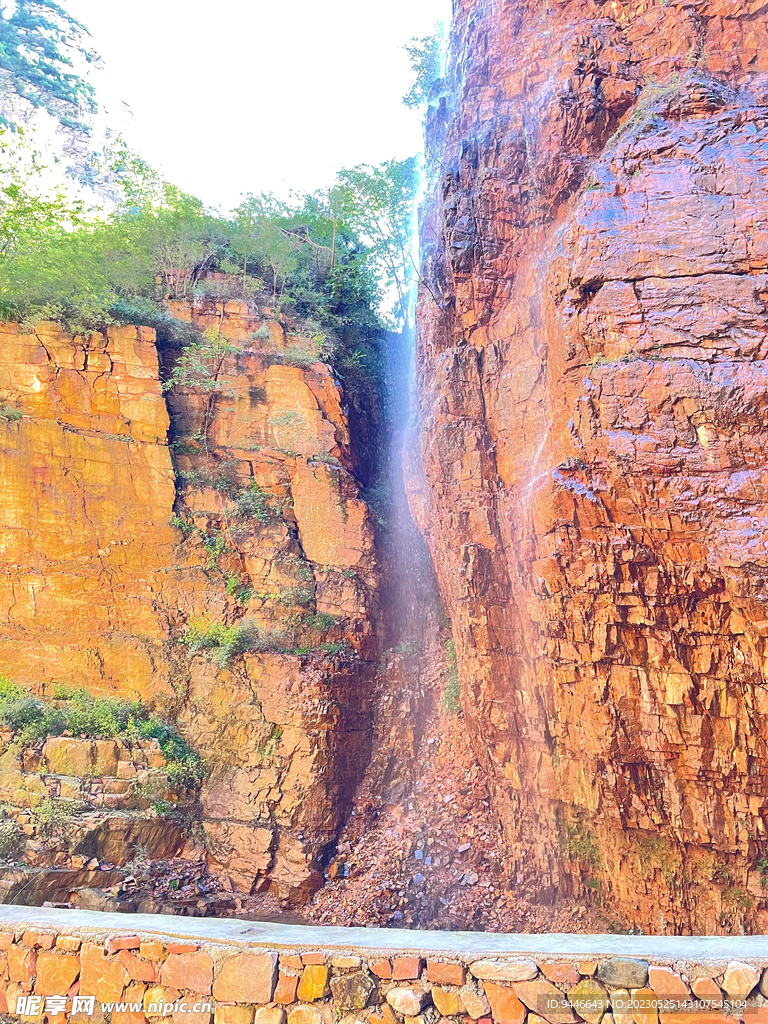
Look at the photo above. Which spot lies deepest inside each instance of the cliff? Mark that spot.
(206, 551)
(593, 382)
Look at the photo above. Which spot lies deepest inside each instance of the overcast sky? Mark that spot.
(259, 95)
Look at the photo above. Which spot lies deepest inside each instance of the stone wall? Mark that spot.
(235, 972)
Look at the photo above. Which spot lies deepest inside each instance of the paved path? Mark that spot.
(254, 933)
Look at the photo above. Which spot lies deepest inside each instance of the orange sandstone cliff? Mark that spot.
(594, 399)
(129, 518)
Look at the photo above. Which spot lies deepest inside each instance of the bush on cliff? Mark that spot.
(11, 839)
(452, 691)
(78, 712)
(333, 259)
(300, 635)
(426, 57)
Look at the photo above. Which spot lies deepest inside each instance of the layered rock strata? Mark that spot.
(593, 388)
(129, 522)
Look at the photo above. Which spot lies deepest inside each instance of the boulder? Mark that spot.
(313, 984)
(619, 972)
(352, 991)
(740, 979)
(246, 978)
(409, 1000)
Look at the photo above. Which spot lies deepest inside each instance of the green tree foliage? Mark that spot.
(337, 262)
(27, 213)
(260, 243)
(426, 56)
(40, 44)
(379, 202)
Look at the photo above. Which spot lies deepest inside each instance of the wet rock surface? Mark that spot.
(405, 860)
(592, 384)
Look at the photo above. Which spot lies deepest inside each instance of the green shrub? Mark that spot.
(25, 715)
(236, 588)
(185, 525)
(200, 364)
(164, 809)
(50, 818)
(255, 503)
(737, 897)
(146, 312)
(452, 691)
(295, 355)
(10, 412)
(9, 690)
(233, 583)
(223, 643)
(215, 545)
(426, 57)
(581, 846)
(334, 647)
(223, 480)
(106, 717)
(11, 838)
(301, 595)
(80, 713)
(320, 622)
(185, 773)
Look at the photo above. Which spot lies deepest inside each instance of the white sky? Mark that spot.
(259, 95)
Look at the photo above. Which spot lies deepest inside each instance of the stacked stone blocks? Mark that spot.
(217, 983)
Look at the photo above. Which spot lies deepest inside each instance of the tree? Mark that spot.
(28, 213)
(426, 56)
(118, 177)
(259, 239)
(183, 239)
(39, 45)
(378, 205)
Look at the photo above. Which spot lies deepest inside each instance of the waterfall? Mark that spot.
(409, 589)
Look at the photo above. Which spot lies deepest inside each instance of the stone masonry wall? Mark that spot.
(214, 978)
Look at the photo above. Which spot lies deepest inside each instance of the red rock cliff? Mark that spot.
(123, 526)
(594, 397)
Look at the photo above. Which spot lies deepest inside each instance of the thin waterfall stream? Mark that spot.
(410, 590)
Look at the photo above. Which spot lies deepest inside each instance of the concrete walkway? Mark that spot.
(275, 936)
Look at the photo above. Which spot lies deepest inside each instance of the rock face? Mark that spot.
(88, 491)
(128, 518)
(593, 388)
